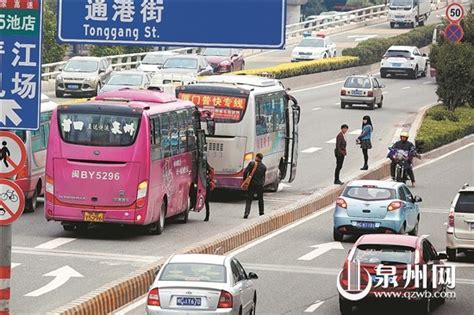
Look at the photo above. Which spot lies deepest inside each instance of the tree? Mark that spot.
(455, 74)
(313, 7)
(51, 50)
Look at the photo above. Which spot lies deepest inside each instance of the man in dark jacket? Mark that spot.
(256, 184)
(408, 146)
(340, 153)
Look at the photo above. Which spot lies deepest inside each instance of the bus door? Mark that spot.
(201, 174)
(291, 146)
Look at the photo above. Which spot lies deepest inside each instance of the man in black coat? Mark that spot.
(340, 153)
(256, 184)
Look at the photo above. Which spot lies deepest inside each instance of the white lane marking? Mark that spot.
(444, 156)
(130, 307)
(311, 150)
(85, 255)
(356, 132)
(292, 269)
(320, 250)
(337, 103)
(56, 243)
(282, 186)
(406, 87)
(316, 87)
(317, 108)
(280, 231)
(314, 307)
(332, 141)
(15, 265)
(360, 38)
(428, 82)
(385, 92)
(61, 276)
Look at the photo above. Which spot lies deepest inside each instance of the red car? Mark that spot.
(388, 265)
(224, 60)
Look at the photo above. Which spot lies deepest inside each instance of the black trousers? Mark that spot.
(339, 163)
(365, 152)
(409, 171)
(206, 201)
(251, 192)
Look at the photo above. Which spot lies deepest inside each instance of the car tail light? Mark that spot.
(154, 297)
(343, 92)
(24, 172)
(340, 202)
(370, 94)
(395, 205)
(451, 221)
(225, 300)
(141, 194)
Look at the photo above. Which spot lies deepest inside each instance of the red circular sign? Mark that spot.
(454, 32)
(13, 156)
(455, 12)
(12, 202)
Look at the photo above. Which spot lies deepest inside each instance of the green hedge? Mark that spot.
(372, 50)
(441, 126)
(293, 69)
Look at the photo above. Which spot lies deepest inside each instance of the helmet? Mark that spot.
(404, 134)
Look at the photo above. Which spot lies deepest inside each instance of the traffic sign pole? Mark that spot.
(5, 268)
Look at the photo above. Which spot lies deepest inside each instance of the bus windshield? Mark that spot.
(103, 130)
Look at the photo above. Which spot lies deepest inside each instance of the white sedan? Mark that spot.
(312, 48)
(199, 283)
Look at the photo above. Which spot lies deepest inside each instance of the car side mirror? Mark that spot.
(101, 71)
(418, 199)
(253, 275)
(425, 55)
(60, 68)
(442, 256)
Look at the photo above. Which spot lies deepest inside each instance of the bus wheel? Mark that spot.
(274, 186)
(156, 228)
(31, 203)
(185, 215)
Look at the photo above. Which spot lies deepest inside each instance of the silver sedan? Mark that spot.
(202, 284)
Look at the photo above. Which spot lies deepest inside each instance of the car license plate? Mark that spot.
(187, 301)
(357, 93)
(93, 216)
(396, 65)
(73, 86)
(366, 225)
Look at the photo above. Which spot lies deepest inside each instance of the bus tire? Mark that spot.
(185, 215)
(156, 228)
(31, 203)
(274, 186)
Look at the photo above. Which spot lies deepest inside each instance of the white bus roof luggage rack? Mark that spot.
(250, 80)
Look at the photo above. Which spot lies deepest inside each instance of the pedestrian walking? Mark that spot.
(5, 153)
(254, 176)
(365, 140)
(340, 153)
(211, 185)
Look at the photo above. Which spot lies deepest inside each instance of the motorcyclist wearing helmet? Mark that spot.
(408, 146)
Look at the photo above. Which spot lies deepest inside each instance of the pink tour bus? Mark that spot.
(130, 157)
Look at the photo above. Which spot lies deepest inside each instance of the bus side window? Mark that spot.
(174, 129)
(155, 138)
(261, 123)
(38, 139)
(279, 113)
(165, 135)
(190, 132)
(183, 121)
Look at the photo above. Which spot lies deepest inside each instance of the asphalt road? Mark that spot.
(288, 285)
(106, 254)
(342, 40)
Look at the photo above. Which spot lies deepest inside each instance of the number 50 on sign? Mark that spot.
(455, 12)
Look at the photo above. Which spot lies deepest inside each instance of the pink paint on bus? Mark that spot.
(129, 157)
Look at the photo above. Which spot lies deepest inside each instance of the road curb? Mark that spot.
(125, 290)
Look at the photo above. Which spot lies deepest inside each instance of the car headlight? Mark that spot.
(225, 63)
(90, 81)
(59, 77)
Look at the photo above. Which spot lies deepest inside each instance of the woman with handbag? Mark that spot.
(365, 140)
(254, 180)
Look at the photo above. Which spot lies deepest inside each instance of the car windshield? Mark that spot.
(154, 59)
(199, 272)
(222, 52)
(358, 83)
(369, 193)
(397, 53)
(181, 63)
(81, 66)
(311, 42)
(126, 79)
(465, 202)
(401, 3)
(384, 254)
(102, 130)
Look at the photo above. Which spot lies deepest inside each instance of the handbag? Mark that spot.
(246, 183)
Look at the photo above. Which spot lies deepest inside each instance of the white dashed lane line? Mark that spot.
(311, 150)
(314, 306)
(406, 87)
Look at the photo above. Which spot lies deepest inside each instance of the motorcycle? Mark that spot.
(403, 163)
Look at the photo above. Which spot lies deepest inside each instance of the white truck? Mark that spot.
(408, 12)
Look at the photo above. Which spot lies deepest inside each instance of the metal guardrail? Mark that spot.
(129, 61)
